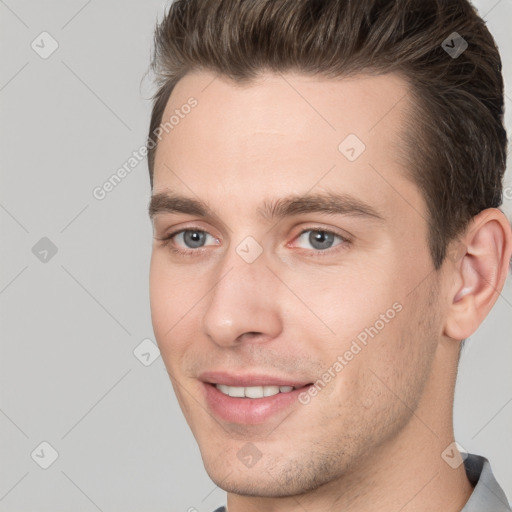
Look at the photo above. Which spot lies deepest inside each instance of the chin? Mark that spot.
(266, 479)
(254, 484)
(235, 477)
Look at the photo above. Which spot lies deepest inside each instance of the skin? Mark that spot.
(374, 435)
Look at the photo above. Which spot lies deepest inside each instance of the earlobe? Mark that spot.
(480, 275)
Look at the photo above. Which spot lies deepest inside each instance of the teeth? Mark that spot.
(236, 392)
(270, 390)
(252, 391)
(223, 388)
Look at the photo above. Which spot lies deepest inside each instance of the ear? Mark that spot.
(479, 264)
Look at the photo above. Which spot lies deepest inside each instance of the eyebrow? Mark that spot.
(326, 203)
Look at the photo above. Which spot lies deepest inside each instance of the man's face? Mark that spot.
(261, 303)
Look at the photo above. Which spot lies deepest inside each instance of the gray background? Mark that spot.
(70, 324)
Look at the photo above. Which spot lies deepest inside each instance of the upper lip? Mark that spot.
(249, 379)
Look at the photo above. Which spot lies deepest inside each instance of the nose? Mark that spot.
(244, 304)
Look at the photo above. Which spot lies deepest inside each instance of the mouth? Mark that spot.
(250, 399)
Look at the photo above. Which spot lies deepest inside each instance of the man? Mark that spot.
(326, 181)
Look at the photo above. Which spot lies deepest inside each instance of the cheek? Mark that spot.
(392, 364)
(369, 319)
(399, 359)
(353, 303)
(169, 305)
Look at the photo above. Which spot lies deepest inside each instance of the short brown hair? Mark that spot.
(457, 142)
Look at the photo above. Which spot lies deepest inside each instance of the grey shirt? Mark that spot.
(487, 495)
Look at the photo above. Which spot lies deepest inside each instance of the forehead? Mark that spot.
(285, 133)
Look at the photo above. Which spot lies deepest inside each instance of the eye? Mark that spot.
(320, 239)
(186, 240)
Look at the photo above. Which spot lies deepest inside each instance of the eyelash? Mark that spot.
(166, 242)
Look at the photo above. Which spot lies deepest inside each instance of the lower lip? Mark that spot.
(248, 411)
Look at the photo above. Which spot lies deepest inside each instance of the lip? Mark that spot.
(248, 411)
(247, 380)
